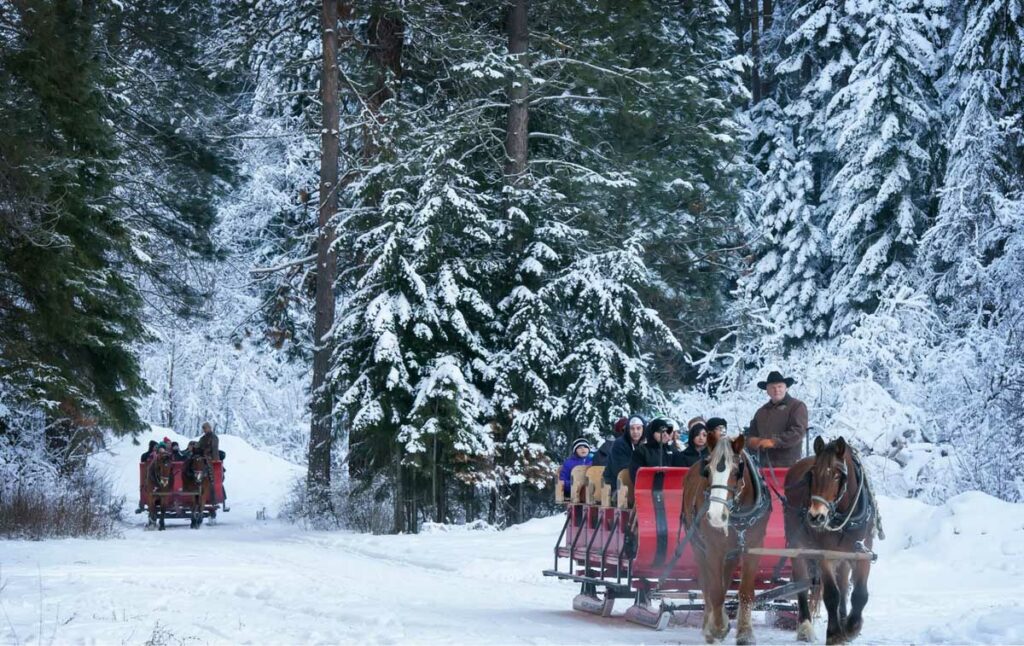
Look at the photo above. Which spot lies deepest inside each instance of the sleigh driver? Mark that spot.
(780, 426)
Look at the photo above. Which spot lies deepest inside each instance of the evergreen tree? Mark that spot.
(884, 125)
(797, 160)
(980, 201)
(790, 246)
(109, 186)
(71, 312)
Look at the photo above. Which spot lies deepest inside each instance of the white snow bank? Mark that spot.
(253, 480)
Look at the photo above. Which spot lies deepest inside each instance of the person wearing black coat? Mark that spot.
(658, 449)
(622, 451)
(696, 444)
(149, 453)
(604, 452)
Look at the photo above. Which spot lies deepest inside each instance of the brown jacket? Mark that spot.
(209, 446)
(786, 423)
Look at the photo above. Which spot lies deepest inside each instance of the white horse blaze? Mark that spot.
(718, 513)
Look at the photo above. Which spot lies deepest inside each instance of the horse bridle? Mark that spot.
(735, 491)
(831, 504)
(162, 481)
(197, 474)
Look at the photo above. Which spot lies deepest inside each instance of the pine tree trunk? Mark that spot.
(399, 492)
(736, 9)
(767, 19)
(169, 417)
(386, 37)
(517, 129)
(435, 485)
(320, 437)
(755, 52)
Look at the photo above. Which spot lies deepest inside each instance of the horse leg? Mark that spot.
(860, 598)
(744, 626)
(805, 631)
(723, 624)
(716, 623)
(843, 574)
(163, 512)
(201, 505)
(709, 587)
(830, 594)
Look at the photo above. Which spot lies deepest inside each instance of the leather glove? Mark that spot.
(760, 443)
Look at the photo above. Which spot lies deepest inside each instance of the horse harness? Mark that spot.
(862, 509)
(157, 479)
(744, 519)
(739, 519)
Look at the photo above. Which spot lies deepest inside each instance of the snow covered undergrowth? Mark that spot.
(946, 574)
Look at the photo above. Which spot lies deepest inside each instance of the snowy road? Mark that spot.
(949, 574)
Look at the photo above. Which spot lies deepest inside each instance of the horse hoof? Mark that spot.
(835, 639)
(743, 639)
(722, 634)
(853, 627)
(805, 633)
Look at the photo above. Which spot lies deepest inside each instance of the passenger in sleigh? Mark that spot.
(603, 455)
(622, 451)
(580, 456)
(176, 453)
(658, 449)
(696, 443)
(153, 444)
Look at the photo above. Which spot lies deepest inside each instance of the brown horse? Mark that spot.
(733, 493)
(195, 479)
(160, 476)
(829, 506)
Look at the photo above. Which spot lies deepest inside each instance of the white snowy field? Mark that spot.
(949, 574)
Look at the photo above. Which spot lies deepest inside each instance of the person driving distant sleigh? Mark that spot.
(778, 427)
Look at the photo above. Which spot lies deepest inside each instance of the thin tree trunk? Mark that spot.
(755, 51)
(518, 112)
(320, 437)
(434, 484)
(767, 19)
(169, 421)
(736, 8)
(386, 35)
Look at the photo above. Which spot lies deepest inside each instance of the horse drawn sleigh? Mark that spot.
(190, 489)
(674, 540)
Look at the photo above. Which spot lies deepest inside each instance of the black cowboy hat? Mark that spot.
(775, 377)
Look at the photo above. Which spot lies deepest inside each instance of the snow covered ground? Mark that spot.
(948, 574)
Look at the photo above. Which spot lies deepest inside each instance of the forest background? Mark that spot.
(533, 217)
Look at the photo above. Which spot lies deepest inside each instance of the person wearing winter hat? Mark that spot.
(658, 449)
(604, 452)
(622, 450)
(780, 426)
(718, 427)
(580, 456)
(696, 442)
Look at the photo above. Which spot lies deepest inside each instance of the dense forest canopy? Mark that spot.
(450, 238)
